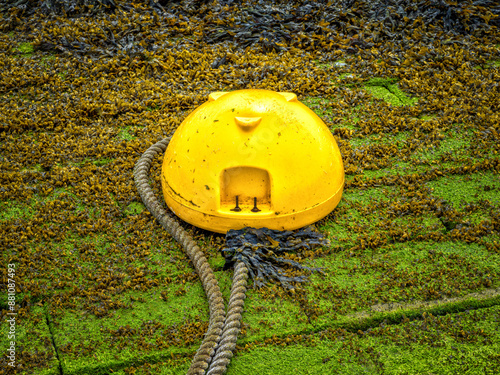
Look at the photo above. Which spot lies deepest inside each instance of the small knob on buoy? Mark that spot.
(255, 209)
(237, 208)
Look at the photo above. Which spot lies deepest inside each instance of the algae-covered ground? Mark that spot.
(410, 282)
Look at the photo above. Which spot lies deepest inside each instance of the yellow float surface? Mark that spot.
(252, 158)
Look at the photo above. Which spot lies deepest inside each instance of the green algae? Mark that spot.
(388, 90)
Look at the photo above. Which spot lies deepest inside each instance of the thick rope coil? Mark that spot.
(220, 339)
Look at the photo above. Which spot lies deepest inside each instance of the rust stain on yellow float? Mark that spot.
(252, 158)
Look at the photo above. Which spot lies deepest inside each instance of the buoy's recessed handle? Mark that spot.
(248, 123)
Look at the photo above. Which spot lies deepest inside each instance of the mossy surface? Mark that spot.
(388, 90)
(26, 49)
(32, 336)
(410, 281)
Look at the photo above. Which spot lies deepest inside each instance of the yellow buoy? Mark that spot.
(252, 158)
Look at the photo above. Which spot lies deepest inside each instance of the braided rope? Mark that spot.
(232, 324)
(222, 333)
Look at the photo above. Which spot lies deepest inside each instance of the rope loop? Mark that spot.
(219, 342)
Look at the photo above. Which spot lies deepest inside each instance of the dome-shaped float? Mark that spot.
(252, 158)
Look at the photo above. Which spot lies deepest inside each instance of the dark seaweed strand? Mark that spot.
(258, 249)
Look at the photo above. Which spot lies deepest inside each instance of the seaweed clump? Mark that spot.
(259, 249)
